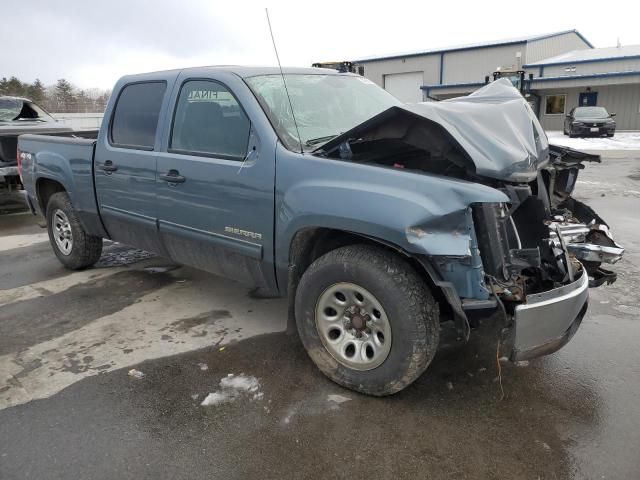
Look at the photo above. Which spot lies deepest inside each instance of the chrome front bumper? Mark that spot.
(549, 319)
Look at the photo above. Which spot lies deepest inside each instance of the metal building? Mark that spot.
(562, 70)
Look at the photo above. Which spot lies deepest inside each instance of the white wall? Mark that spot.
(428, 64)
(624, 100)
(552, 46)
(80, 121)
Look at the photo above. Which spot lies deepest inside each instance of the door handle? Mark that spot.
(108, 166)
(172, 176)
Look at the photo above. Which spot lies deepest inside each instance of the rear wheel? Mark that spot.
(367, 319)
(72, 245)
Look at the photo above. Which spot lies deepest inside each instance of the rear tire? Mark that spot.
(394, 341)
(72, 245)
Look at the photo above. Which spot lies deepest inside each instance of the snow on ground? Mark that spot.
(621, 141)
(233, 387)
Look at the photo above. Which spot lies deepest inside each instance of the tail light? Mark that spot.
(20, 157)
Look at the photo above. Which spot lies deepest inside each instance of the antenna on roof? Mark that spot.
(284, 81)
(619, 45)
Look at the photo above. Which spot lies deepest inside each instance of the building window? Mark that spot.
(555, 104)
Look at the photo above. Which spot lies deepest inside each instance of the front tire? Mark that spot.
(72, 245)
(367, 319)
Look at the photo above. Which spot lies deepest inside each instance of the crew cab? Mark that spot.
(378, 220)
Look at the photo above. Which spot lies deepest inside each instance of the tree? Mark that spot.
(102, 100)
(64, 96)
(13, 87)
(36, 91)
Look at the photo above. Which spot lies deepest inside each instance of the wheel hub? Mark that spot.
(61, 231)
(353, 326)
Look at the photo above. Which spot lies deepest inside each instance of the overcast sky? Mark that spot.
(92, 43)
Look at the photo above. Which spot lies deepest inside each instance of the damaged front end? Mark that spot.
(543, 252)
(540, 251)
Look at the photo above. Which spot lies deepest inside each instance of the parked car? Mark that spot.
(589, 121)
(20, 115)
(377, 219)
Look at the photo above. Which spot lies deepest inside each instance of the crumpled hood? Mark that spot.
(494, 126)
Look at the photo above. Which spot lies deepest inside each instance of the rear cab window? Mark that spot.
(209, 121)
(135, 117)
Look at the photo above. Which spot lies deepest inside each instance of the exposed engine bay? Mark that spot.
(543, 238)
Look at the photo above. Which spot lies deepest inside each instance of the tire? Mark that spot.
(72, 245)
(406, 305)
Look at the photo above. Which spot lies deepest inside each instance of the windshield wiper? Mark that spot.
(316, 141)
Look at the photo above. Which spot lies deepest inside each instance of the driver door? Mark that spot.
(215, 185)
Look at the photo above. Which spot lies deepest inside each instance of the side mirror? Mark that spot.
(612, 114)
(568, 115)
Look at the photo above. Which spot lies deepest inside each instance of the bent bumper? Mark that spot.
(549, 319)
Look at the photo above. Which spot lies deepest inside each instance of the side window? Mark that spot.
(209, 121)
(135, 118)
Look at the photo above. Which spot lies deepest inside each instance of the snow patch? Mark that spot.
(241, 383)
(216, 398)
(203, 366)
(620, 141)
(136, 373)
(337, 398)
(233, 387)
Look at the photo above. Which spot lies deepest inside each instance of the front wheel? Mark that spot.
(72, 245)
(367, 319)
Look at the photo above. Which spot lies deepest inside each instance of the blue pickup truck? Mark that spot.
(378, 220)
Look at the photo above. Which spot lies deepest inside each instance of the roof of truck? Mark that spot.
(249, 71)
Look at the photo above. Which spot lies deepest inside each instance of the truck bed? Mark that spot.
(9, 143)
(64, 158)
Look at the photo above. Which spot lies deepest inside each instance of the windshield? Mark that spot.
(15, 109)
(324, 105)
(590, 112)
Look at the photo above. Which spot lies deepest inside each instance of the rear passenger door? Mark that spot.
(125, 164)
(215, 183)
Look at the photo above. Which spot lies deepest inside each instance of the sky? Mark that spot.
(93, 43)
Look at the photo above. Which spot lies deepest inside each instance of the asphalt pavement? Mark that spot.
(103, 374)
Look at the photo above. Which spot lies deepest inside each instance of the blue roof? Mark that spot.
(475, 46)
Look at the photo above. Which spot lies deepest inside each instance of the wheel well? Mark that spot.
(311, 243)
(44, 189)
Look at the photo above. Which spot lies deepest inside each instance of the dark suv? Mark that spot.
(585, 121)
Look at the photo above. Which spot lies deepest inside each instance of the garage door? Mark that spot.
(404, 86)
